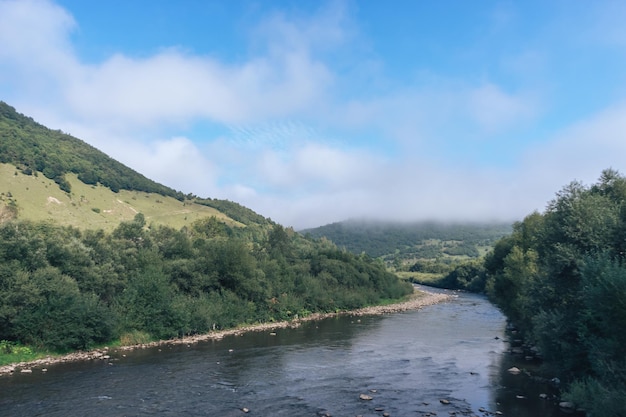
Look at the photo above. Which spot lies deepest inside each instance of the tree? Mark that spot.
(561, 277)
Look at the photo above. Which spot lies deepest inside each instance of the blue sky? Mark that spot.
(311, 112)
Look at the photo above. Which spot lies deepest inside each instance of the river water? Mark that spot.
(406, 362)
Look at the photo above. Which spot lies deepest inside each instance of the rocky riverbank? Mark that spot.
(418, 300)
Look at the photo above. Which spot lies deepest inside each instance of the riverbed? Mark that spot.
(445, 358)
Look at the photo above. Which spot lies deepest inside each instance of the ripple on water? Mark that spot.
(406, 362)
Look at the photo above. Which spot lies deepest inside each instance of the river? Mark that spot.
(407, 363)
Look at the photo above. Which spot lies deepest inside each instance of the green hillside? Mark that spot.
(37, 198)
(48, 175)
(92, 252)
(34, 148)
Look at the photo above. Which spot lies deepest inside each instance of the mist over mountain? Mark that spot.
(378, 238)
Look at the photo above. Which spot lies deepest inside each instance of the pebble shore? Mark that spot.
(418, 300)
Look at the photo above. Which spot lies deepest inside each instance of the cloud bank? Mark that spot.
(308, 126)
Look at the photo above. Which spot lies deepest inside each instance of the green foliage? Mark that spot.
(598, 398)
(469, 276)
(235, 211)
(561, 277)
(65, 288)
(430, 266)
(62, 288)
(60, 318)
(426, 252)
(135, 337)
(12, 352)
(462, 249)
(9, 348)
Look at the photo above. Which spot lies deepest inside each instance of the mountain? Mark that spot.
(34, 148)
(412, 240)
(48, 175)
(92, 253)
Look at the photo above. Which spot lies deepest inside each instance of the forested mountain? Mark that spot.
(64, 287)
(411, 241)
(561, 278)
(33, 148)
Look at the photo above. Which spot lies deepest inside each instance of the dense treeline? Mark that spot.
(561, 277)
(235, 211)
(34, 149)
(411, 240)
(62, 288)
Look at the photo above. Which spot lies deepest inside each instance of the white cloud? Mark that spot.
(169, 87)
(415, 188)
(451, 111)
(178, 163)
(493, 109)
(580, 151)
(34, 33)
(275, 107)
(174, 87)
(317, 167)
(405, 191)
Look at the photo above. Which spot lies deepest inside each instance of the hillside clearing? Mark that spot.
(94, 207)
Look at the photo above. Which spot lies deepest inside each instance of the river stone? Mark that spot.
(365, 397)
(514, 370)
(444, 401)
(566, 405)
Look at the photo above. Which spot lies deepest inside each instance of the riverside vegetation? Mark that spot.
(65, 287)
(560, 277)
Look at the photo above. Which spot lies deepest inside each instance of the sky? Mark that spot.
(313, 112)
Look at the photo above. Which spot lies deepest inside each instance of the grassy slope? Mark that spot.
(94, 207)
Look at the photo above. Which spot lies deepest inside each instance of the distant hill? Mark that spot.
(412, 241)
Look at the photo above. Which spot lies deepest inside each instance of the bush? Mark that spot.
(134, 337)
(596, 398)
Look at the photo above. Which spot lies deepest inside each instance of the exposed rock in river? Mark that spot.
(514, 371)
